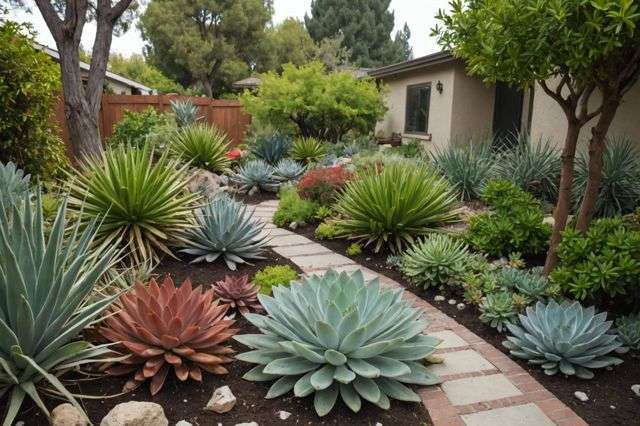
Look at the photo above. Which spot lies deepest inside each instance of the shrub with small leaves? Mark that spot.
(323, 212)
(324, 184)
(498, 310)
(354, 249)
(272, 276)
(135, 127)
(326, 231)
(628, 332)
(292, 208)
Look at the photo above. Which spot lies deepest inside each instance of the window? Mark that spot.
(417, 113)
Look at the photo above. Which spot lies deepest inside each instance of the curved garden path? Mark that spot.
(481, 386)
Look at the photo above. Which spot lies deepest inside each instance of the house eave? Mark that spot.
(412, 65)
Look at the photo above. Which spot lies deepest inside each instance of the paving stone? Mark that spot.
(320, 261)
(269, 203)
(275, 232)
(519, 415)
(467, 361)
(288, 240)
(449, 339)
(478, 389)
(305, 249)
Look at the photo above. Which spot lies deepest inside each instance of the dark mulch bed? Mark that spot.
(256, 198)
(185, 401)
(606, 390)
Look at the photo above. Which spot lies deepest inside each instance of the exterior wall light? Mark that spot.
(439, 86)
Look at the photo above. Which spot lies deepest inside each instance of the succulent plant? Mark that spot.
(532, 286)
(271, 148)
(14, 184)
(308, 150)
(276, 275)
(288, 170)
(628, 331)
(202, 146)
(498, 310)
(227, 230)
(337, 335)
(163, 327)
(435, 260)
(567, 338)
(239, 293)
(255, 175)
(186, 112)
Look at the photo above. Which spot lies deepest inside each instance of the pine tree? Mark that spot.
(366, 26)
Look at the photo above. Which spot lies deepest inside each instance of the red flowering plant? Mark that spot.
(323, 185)
(234, 154)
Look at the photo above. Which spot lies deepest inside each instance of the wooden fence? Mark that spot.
(226, 114)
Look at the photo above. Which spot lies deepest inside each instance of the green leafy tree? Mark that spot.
(366, 26)
(206, 42)
(312, 102)
(136, 68)
(287, 42)
(585, 54)
(29, 89)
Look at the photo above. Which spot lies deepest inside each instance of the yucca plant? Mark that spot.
(44, 282)
(628, 332)
(395, 207)
(239, 293)
(226, 229)
(271, 148)
(202, 146)
(533, 167)
(288, 170)
(620, 182)
(186, 113)
(435, 261)
(140, 200)
(254, 176)
(567, 338)
(14, 184)
(308, 150)
(467, 168)
(162, 327)
(498, 310)
(337, 335)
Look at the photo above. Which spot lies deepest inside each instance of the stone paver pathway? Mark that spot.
(481, 386)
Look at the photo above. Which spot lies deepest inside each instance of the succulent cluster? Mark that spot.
(239, 293)
(254, 176)
(339, 336)
(628, 331)
(166, 328)
(498, 310)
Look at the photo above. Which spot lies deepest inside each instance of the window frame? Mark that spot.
(406, 112)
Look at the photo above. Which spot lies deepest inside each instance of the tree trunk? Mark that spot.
(563, 206)
(611, 102)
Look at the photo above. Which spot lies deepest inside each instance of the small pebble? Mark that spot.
(439, 298)
(452, 301)
(460, 306)
(581, 396)
(184, 423)
(613, 407)
(284, 415)
(636, 389)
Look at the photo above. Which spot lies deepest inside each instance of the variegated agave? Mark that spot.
(337, 335)
(567, 338)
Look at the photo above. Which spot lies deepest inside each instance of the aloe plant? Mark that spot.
(337, 335)
(44, 282)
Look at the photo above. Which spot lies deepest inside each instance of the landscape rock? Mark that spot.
(222, 401)
(439, 298)
(284, 415)
(461, 306)
(452, 301)
(205, 183)
(581, 396)
(184, 423)
(636, 389)
(135, 413)
(67, 415)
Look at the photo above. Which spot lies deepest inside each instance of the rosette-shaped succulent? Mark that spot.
(164, 327)
(239, 293)
(567, 338)
(339, 336)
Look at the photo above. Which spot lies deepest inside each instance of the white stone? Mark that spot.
(449, 339)
(460, 306)
(67, 415)
(135, 413)
(222, 400)
(519, 415)
(581, 396)
(205, 183)
(439, 298)
(284, 415)
(184, 423)
(478, 389)
(378, 424)
(247, 424)
(636, 389)
(467, 361)
(452, 301)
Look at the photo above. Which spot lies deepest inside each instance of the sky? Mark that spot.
(417, 13)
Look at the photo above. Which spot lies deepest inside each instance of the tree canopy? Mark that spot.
(136, 68)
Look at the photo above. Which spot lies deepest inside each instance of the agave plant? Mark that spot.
(239, 293)
(202, 146)
(628, 332)
(498, 310)
(337, 335)
(396, 206)
(271, 148)
(186, 112)
(164, 327)
(226, 229)
(140, 200)
(567, 338)
(288, 170)
(467, 168)
(44, 282)
(14, 184)
(255, 175)
(308, 150)
(435, 261)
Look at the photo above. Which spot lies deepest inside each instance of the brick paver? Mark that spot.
(481, 386)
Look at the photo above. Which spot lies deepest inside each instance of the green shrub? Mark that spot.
(354, 249)
(323, 213)
(202, 146)
(308, 150)
(603, 263)
(327, 231)
(292, 208)
(412, 149)
(29, 91)
(394, 208)
(136, 127)
(435, 261)
(272, 276)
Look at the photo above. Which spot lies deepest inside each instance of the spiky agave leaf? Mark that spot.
(288, 170)
(255, 175)
(14, 184)
(271, 148)
(202, 146)
(567, 338)
(337, 335)
(44, 282)
(163, 328)
(226, 229)
(239, 293)
(185, 111)
(308, 150)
